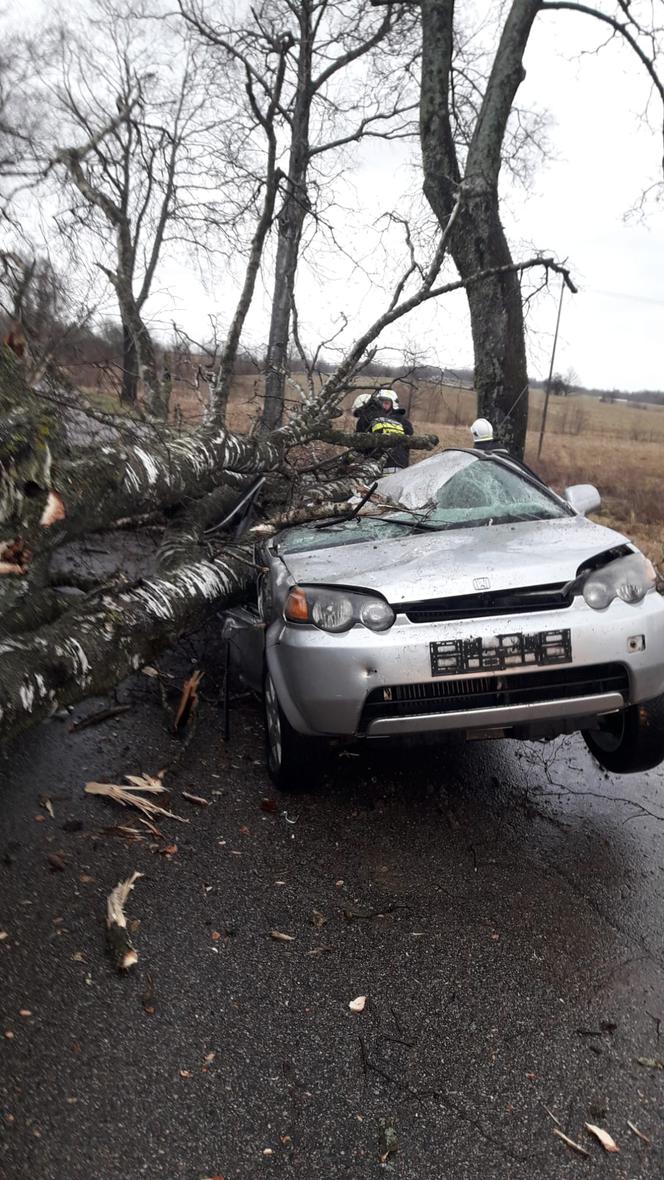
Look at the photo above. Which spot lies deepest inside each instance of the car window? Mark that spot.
(488, 492)
(451, 490)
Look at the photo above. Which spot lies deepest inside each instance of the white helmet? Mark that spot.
(360, 400)
(387, 395)
(482, 430)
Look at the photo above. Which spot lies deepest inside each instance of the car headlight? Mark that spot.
(337, 610)
(629, 578)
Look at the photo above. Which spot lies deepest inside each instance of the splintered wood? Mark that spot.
(188, 701)
(121, 947)
(139, 782)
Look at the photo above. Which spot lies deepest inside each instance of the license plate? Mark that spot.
(496, 652)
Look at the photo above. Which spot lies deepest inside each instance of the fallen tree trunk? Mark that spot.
(105, 637)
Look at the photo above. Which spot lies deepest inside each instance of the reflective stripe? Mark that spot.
(386, 426)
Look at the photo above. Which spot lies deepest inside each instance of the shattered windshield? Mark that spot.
(451, 490)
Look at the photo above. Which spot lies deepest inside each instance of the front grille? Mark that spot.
(493, 692)
(491, 602)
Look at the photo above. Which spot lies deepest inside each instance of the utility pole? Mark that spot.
(553, 357)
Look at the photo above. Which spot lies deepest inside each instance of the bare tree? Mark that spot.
(479, 240)
(135, 182)
(299, 59)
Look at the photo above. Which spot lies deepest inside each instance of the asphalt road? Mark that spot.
(500, 906)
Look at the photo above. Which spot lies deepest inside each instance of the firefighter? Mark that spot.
(483, 440)
(382, 415)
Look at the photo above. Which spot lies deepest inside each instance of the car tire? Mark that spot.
(630, 741)
(293, 760)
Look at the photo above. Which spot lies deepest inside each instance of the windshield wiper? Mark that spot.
(522, 517)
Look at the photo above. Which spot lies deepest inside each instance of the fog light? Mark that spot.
(636, 643)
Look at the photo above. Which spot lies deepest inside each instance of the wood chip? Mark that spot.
(3, 935)
(638, 1133)
(358, 1004)
(188, 700)
(650, 1062)
(56, 862)
(551, 1115)
(54, 510)
(570, 1142)
(197, 799)
(279, 936)
(603, 1136)
(124, 953)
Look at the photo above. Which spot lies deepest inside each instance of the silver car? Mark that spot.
(467, 597)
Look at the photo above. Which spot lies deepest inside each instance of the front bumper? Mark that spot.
(323, 681)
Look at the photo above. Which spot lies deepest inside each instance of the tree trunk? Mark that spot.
(129, 388)
(478, 240)
(496, 316)
(291, 221)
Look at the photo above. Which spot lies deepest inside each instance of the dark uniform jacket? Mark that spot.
(388, 424)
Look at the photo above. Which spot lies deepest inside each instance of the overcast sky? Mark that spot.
(604, 156)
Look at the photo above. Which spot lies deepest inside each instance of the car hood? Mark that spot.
(433, 565)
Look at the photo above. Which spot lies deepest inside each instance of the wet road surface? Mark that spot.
(499, 905)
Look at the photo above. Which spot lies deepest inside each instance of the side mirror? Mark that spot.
(583, 498)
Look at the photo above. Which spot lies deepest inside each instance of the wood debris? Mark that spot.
(188, 702)
(279, 936)
(120, 944)
(197, 799)
(147, 998)
(603, 1136)
(133, 835)
(639, 1134)
(145, 783)
(570, 1142)
(358, 1004)
(54, 510)
(97, 718)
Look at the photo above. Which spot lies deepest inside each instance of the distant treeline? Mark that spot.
(75, 344)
